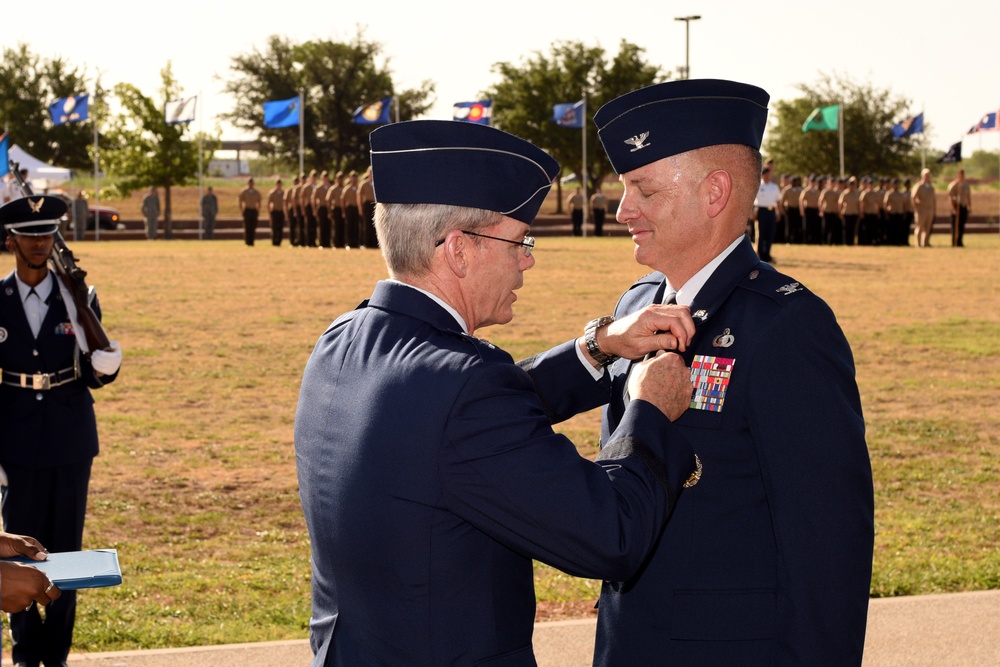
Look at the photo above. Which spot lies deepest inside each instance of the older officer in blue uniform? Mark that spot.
(50, 431)
(768, 560)
(429, 472)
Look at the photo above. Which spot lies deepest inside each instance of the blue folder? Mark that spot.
(73, 570)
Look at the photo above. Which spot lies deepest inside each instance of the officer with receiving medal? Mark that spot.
(767, 561)
(50, 429)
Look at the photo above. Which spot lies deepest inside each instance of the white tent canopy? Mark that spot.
(40, 174)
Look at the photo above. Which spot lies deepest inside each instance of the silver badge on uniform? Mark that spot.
(3, 334)
(754, 274)
(700, 314)
(725, 339)
(790, 288)
(9, 291)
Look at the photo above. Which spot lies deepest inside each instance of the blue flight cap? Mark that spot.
(460, 164)
(32, 216)
(669, 118)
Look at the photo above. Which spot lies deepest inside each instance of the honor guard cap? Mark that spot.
(33, 216)
(460, 164)
(652, 123)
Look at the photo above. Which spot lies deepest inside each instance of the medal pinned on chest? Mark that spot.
(710, 377)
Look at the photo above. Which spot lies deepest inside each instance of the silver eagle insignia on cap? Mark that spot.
(638, 141)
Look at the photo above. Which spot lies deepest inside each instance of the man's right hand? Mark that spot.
(664, 381)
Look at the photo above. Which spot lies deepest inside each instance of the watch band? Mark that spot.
(590, 340)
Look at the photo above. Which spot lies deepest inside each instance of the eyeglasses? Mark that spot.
(527, 244)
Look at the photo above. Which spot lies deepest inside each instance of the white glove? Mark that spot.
(107, 362)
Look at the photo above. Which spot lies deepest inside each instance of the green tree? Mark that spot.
(528, 90)
(869, 148)
(142, 149)
(337, 78)
(28, 84)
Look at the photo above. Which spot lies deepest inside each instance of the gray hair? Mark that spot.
(407, 232)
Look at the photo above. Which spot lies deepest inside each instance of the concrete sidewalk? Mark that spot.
(958, 630)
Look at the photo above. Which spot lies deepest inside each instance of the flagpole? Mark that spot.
(840, 124)
(201, 171)
(395, 98)
(97, 181)
(583, 173)
(302, 131)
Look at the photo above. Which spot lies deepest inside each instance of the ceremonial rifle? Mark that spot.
(72, 277)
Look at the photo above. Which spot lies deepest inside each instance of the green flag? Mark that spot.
(822, 118)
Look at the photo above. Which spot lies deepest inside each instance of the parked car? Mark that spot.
(110, 218)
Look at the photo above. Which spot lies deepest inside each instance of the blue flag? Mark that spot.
(282, 113)
(909, 126)
(480, 112)
(373, 114)
(70, 109)
(4, 155)
(568, 115)
(986, 123)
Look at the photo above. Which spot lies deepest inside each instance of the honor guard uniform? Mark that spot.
(50, 429)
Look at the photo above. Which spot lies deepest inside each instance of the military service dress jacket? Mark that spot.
(430, 477)
(767, 561)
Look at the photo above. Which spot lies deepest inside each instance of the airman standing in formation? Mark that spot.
(336, 209)
(352, 216)
(366, 204)
(250, 201)
(290, 212)
(276, 211)
(829, 210)
(809, 206)
(598, 210)
(849, 204)
(894, 230)
(322, 209)
(924, 206)
(871, 213)
(961, 205)
(790, 195)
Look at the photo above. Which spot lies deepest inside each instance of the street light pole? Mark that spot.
(687, 42)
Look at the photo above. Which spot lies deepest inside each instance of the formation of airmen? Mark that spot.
(825, 210)
(324, 213)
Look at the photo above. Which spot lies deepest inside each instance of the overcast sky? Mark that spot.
(942, 56)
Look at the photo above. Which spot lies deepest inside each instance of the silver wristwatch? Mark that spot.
(590, 340)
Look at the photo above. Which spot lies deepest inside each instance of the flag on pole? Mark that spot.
(914, 125)
(4, 155)
(180, 111)
(954, 154)
(374, 113)
(568, 115)
(986, 123)
(480, 112)
(282, 113)
(823, 118)
(69, 109)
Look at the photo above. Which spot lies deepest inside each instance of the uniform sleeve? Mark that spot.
(806, 420)
(563, 385)
(506, 472)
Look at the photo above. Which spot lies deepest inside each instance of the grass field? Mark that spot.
(195, 485)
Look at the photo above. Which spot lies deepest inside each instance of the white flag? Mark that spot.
(180, 111)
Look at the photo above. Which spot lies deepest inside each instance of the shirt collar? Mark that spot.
(42, 289)
(690, 289)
